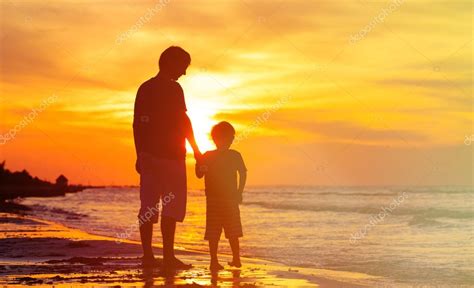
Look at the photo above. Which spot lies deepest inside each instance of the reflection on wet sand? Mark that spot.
(39, 252)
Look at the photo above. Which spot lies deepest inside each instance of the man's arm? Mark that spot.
(190, 137)
(186, 121)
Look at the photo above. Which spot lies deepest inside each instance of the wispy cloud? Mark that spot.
(410, 77)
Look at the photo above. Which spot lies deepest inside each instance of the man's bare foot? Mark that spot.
(235, 263)
(151, 262)
(215, 266)
(181, 265)
(176, 264)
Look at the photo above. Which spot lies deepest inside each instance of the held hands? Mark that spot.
(203, 168)
(200, 168)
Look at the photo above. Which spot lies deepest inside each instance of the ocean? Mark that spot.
(415, 236)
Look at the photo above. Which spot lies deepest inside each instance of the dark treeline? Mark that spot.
(20, 184)
(19, 178)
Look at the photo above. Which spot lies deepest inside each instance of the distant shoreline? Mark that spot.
(20, 184)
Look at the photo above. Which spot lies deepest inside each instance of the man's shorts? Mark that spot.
(222, 215)
(163, 179)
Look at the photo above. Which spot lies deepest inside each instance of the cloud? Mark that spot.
(427, 83)
(257, 51)
(349, 131)
(287, 123)
(457, 92)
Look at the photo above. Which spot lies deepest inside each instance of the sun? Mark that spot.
(204, 99)
(202, 121)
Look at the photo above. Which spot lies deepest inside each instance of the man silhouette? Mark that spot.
(160, 128)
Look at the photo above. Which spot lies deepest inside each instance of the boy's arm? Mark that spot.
(242, 180)
(242, 176)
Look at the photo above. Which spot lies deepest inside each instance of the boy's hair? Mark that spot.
(222, 130)
(173, 55)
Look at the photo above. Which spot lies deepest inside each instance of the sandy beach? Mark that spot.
(39, 252)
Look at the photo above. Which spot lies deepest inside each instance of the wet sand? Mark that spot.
(39, 252)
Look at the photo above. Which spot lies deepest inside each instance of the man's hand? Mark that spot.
(197, 155)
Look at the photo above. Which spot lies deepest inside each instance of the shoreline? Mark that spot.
(44, 252)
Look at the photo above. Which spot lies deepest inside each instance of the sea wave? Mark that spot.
(360, 191)
(54, 211)
(431, 213)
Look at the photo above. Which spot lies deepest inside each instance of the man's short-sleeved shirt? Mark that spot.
(221, 176)
(158, 115)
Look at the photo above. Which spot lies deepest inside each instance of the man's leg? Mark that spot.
(149, 199)
(168, 229)
(174, 209)
(146, 233)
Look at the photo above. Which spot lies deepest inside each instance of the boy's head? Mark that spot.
(174, 61)
(223, 135)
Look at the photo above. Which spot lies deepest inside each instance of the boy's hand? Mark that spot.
(200, 169)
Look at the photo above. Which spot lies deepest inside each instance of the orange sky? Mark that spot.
(353, 92)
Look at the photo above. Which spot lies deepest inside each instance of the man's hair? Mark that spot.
(174, 55)
(222, 130)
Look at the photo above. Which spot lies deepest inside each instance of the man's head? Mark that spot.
(223, 134)
(174, 61)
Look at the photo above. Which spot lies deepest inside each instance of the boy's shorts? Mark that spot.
(163, 179)
(222, 215)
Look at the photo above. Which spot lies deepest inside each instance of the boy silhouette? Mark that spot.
(223, 195)
(160, 129)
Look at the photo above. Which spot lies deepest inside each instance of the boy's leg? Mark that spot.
(234, 245)
(213, 244)
(233, 230)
